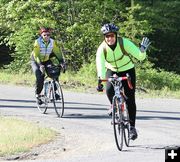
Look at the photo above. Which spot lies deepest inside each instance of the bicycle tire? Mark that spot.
(58, 103)
(118, 125)
(126, 125)
(43, 107)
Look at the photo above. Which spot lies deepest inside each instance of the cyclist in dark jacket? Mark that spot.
(111, 59)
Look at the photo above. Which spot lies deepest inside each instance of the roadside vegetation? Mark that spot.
(150, 82)
(76, 25)
(19, 136)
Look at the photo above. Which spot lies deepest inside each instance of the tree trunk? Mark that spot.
(132, 3)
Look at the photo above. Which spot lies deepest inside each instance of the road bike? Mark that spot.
(120, 115)
(52, 92)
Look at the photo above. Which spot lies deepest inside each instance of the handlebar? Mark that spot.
(60, 67)
(119, 79)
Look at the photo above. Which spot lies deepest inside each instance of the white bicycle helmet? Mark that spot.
(108, 28)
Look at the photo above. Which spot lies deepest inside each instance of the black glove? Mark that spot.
(99, 88)
(63, 67)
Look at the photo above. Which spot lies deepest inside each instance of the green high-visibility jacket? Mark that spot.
(42, 50)
(116, 60)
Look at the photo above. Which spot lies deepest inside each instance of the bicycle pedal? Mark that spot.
(115, 123)
(41, 95)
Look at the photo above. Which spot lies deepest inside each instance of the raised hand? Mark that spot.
(144, 44)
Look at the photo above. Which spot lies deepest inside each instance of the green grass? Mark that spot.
(16, 79)
(19, 136)
(164, 93)
(84, 81)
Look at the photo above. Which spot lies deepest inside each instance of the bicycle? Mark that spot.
(52, 92)
(120, 115)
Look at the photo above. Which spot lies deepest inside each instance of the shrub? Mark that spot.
(157, 79)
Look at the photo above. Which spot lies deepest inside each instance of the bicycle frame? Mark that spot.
(120, 115)
(49, 86)
(54, 85)
(52, 93)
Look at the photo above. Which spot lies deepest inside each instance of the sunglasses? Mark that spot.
(110, 35)
(46, 35)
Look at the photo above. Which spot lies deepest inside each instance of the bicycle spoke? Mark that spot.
(42, 107)
(126, 134)
(120, 116)
(117, 124)
(58, 100)
(127, 125)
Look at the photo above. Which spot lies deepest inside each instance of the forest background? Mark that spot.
(76, 25)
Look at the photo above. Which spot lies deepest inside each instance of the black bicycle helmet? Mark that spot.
(108, 28)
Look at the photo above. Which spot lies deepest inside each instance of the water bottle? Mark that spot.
(46, 84)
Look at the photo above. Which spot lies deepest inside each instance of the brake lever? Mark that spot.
(129, 81)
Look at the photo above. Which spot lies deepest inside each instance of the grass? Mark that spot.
(82, 83)
(164, 93)
(19, 136)
(16, 79)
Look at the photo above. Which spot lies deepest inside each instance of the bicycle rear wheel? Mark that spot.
(126, 125)
(117, 123)
(58, 99)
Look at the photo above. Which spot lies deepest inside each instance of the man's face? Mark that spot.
(110, 38)
(46, 36)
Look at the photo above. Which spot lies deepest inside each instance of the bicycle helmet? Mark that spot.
(108, 28)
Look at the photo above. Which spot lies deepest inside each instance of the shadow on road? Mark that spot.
(7, 105)
(161, 112)
(11, 100)
(157, 118)
(165, 115)
(17, 106)
(154, 147)
(85, 103)
(90, 106)
(82, 116)
(85, 108)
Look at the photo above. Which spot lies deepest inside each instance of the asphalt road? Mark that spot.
(85, 133)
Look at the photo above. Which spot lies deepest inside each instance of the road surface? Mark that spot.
(85, 133)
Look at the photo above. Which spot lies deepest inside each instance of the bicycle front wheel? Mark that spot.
(43, 105)
(58, 99)
(117, 123)
(126, 125)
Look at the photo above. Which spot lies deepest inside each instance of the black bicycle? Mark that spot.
(52, 92)
(120, 115)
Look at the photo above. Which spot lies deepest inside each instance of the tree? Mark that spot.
(76, 25)
(165, 21)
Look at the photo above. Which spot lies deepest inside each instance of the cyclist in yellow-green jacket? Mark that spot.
(114, 57)
(45, 50)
